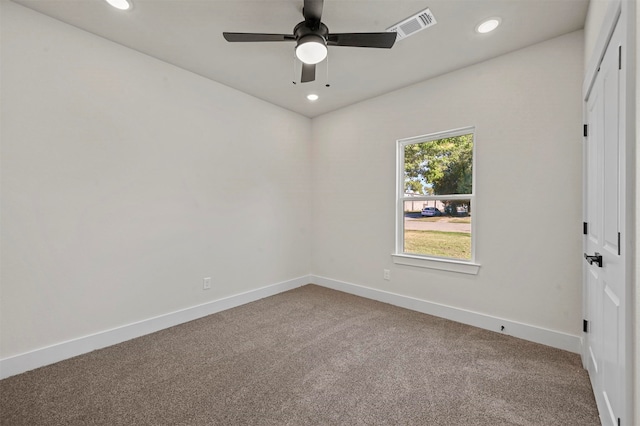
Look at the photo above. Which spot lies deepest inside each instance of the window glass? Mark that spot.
(436, 195)
(438, 228)
(439, 167)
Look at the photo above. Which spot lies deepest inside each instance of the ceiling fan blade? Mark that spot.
(312, 10)
(257, 37)
(381, 40)
(308, 73)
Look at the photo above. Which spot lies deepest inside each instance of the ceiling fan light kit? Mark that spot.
(311, 49)
(312, 39)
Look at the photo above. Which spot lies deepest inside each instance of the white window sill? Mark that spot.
(459, 266)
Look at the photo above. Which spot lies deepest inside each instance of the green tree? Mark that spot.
(413, 186)
(440, 167)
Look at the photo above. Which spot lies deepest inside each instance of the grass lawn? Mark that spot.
(460, 220)
(438, 243)
(428, 219)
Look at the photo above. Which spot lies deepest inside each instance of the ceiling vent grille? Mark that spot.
(418, 22)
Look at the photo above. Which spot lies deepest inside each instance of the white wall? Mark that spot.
(527, 111)
(121, 177)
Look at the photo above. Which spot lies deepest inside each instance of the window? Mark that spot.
(435, 201)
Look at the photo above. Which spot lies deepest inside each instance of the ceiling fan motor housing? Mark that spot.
(317, 33)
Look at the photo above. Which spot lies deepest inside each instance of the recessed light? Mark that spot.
(120, 4)
(488, 25)
(312, 97)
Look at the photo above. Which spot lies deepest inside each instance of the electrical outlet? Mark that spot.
(387, 274)
(206, 283)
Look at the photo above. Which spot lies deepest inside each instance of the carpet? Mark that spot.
(309, 356)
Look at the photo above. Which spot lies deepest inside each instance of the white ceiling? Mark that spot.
(188, 33)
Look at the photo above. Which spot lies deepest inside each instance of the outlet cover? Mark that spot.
(206, 283)
(387, 274)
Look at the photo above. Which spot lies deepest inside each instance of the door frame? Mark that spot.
(621, 12)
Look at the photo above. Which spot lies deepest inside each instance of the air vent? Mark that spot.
(418, 22)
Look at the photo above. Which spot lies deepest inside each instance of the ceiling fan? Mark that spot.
(312, 38)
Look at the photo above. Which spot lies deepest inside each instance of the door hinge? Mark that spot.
(585, 326)
(585, 130)
(619, 57)
(619, 252)
(585, 228)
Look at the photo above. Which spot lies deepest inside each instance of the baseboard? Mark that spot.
(528, 332)
(40, 357)
(45, 356)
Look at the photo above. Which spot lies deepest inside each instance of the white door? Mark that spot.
(604, 271)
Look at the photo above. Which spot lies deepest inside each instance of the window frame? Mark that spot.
(425, 261)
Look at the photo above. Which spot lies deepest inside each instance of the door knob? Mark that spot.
(597, 258)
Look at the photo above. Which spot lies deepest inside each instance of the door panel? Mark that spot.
(611, 175)
(594, 336)
(594, 175)
(611, 353)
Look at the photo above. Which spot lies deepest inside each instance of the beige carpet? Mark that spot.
(309, 356)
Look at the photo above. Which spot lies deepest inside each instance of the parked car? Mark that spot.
(431, 211)
(459, 211)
